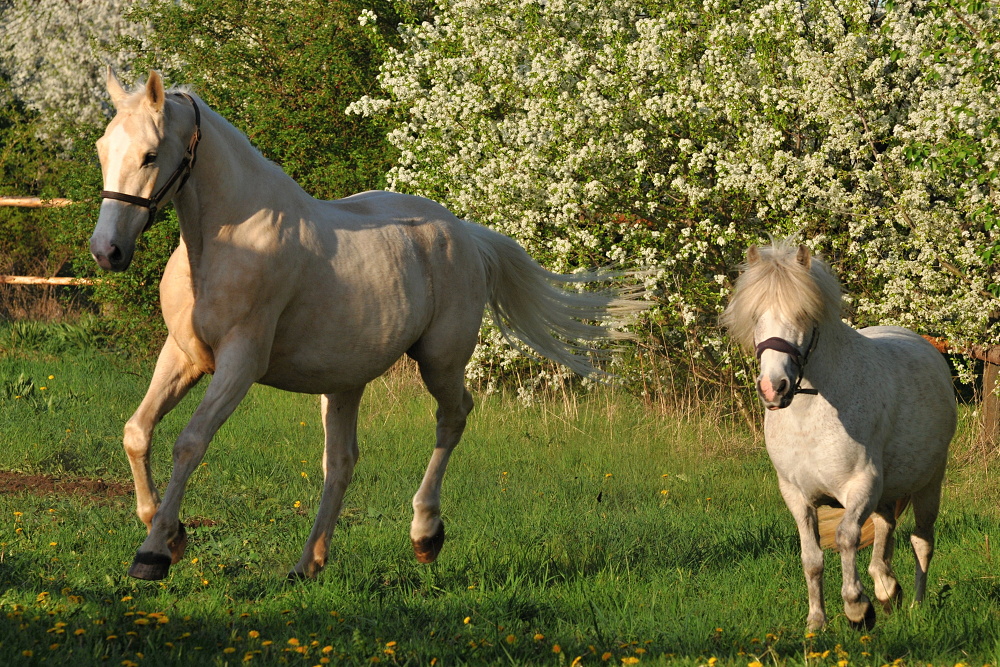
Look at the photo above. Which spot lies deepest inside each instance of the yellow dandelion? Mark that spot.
(304, 475)
(556, 648)
(606, 656)
(293, 641)
(539, 637)
(79, 631)
(327, 649)
(229, 649)
(511, 639)
(712, 661)
(468, 619)
(755, 663)
(630, 660)
(266, 642)
(297, 504)
(253, 634)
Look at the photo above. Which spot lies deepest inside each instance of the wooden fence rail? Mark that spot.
(35, 202)
(32, 280)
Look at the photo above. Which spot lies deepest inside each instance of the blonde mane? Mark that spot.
(805, 295)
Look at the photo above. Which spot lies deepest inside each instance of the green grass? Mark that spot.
(589, 527)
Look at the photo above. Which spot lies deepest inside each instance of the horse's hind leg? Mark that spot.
(340, 454)
(173, 377)
(887, 588)
(447, 384)
(926, 504)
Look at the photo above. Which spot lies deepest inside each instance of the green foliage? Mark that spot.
(28, 167)
(283, 73)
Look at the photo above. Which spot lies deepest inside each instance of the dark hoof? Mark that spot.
(149, 566)
(426, 549)
(867, 623)
(178, 545)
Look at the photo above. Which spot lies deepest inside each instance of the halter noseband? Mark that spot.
(181, 173)
(800, 359)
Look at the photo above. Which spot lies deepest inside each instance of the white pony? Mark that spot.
(855, 419)
(270, 285)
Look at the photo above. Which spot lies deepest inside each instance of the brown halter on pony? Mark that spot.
(182, 172)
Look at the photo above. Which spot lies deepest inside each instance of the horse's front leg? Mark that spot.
(340, 454)
(887, 589)
(812, 554)
(236, 371)
(173, 377)
(858, 505)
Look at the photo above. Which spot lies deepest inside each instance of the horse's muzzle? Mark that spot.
(109, 256)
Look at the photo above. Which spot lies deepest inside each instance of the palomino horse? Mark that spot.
(272, 286)
(855, 419)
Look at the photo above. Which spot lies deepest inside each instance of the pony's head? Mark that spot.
(781, 302)
(145, 147)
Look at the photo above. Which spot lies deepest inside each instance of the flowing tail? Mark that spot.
(829, 521)
(531, 304)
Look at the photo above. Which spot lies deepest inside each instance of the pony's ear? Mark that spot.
(115, 89)
(753, 255)
(155, 94)
(803, 256)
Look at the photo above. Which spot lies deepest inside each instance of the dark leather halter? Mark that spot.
(798, 358)
(181, 173)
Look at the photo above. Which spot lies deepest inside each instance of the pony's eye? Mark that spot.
(149, 159)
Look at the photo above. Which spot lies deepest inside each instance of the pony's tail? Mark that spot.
(532, 305)
(829, 521)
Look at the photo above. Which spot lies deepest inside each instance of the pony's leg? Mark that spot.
(447, 385)
(857, 606)
(173, 377)
(812, 554)
(340, 454)
(926, 504)
(235, 371)
(887, 589)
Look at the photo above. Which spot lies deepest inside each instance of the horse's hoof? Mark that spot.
(866, 623)
(149, 566)
(178, 545)
(426, 549)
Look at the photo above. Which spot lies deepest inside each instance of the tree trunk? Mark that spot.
(989, 422)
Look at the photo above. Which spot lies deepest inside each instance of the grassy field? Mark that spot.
(587, 530)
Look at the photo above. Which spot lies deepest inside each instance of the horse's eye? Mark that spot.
(149, 159)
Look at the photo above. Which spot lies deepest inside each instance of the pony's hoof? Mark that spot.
(178, 545)
(426, 549)
(866, 623)
(149, 566)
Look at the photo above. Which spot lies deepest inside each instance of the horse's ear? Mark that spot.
(803, 256)
(155, 94)
(753, 255)
(115, 89)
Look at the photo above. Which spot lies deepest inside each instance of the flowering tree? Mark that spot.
(54, 54)
(674, 135)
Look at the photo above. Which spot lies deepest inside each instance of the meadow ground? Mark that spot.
(581, 530)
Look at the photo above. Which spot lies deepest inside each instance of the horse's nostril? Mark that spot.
(782, 386)
(116, 254)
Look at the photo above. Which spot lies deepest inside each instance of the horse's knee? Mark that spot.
(136, 439)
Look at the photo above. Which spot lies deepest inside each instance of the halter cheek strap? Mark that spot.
(181, 174)
(800, 359)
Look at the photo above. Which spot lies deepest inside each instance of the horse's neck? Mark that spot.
(229, 185)
(836, 344)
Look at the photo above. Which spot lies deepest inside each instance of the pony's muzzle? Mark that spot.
(775, 395)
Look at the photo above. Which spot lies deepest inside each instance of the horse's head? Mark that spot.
(146, 152)
(780, 303)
